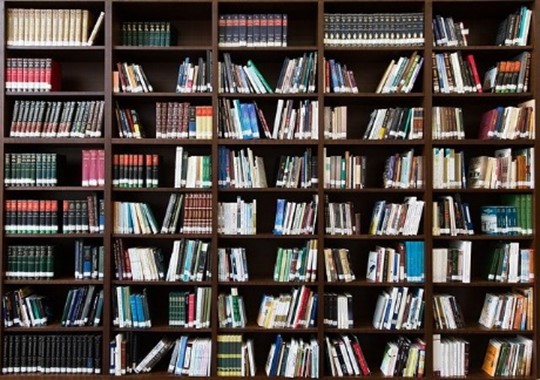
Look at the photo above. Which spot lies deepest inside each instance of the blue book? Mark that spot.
(277, 354)
(181, 355)
(134, 310)
(280, 211)
(313, 316)
(253, 120)
(188, 258)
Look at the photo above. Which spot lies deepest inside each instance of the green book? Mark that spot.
(251, 65)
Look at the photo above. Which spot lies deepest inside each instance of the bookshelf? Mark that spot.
(199, 32)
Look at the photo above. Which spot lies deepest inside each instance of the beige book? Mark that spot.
(37, 28)
(72, 40)
(65, 27)
(60, 27)
(85, 22)
(48, 26)
(31, 27)
(78, 27)
(55, 40)
(10, 33)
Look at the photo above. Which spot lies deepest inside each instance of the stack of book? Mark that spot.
(83, 216)
(31, 169)
(25, 216)
(234, 356)
(93, 167)
(135, 170)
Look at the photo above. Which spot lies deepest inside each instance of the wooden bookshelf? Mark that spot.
(86, 74)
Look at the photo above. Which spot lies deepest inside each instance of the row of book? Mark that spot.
(252, 29)
(451, 217)
(231, 309)
(128, 122)
(404, 263)
(396, 218)
(453, 74)
(83, 307)
(130, 309)
(190, 261)
(344, 172)
(52, 354)
(23, 308)
(192, 171)
(514, 29)
(30, 262)
(237, 218)
(235, 356)
(338, 310)
(190, 309)
(399, 308)
(83, 216)
(374, 29)
(508, 123)
(195, 77)
(39, 118)
(340, 219)
(449, 169)
(395, 123)
(32, 75)
(89, 261)
(404, 358)
(508, 356)
(31, 216)
(450, 356)
(289, 310)
(400, 76)
(297, 171)
(51, 27)
(135, 170)
(298, 75)
(508, 311)
(147, 33)
(232, 264)
(345, 356)
(293, 359)
(447, 32)
(509, 169)
(239, 120)
(335, 123)
(30, 169)
(130, 78)
(338, 79)
(511, 263)
(93, 167)
(240, 169)
(296, 264)
(447, 313)
(515, 219)
(243, 79)
(509, 76)
(182, 120)
(296, 218)
(404, 171)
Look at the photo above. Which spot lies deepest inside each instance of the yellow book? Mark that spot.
(492, 357)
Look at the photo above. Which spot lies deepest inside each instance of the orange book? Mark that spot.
(492, 357)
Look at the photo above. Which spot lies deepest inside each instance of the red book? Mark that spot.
(191, 310)
(100, 167)
(487, 124)
(303, 299)
(86, 167)
(361, 359)
(126, 264)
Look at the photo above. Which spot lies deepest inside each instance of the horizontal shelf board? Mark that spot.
(379, 237)
(368, 49)
(372, 95)
(365, 283)
(485, 237)
(53, 140)
(55, 327)
(388, 142)
(479, 48)
(477, 330)
(163, 329)
(264, 282)
(258, 329)
(150, 141)
(158, 190)
(486, 95)
(274, 95)
(163, 95)
(479, 142)
(53, 236)
(267, 142)
(53, 281)
(278, 190)
(483, 283)
(161, 283)
(375, 190)
(172, 49)
(54, 94)
(96, 48)
(290, 48)
(483, 191)
(368, 329)
(266, 236)
(55, 188)
(163, 236)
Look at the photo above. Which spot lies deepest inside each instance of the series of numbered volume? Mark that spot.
(253, 30)
(453, 74)
(237, 218)
(138, 263)
(447, 123)
(93, 167)
(510, 263)
(395, 124)
(399, 308)
(404, 171)
(182, 120)
(397, 218)
(242, 79)
(30, 262)
(130, 309)
(235, 356)
(508, 311)
(83, 307)
(296, 264)
(286, 358)
(30, 216)
(89, 261)
(294, 310)
(136, 170)
(451, 217)
(404, 358)
(190, 261)
(335, 123)
(147, 33)
(340, 219)
(297, 172)
(514, 29)
(39, 118)
(231, 309)
(338, 310)
(30, 169)
(32, 75)
(404, 263)
(517, 351)
(195, 77)
(509, 76)
(508, 123)
(240, 169)
(373, 29)
(344, 172)
(83, 216)
(447, 313)
(232, 265)
(447, 32)
(295, 218)
(52, 354)
(51, 27)
(191, 357)
(512, 219)
(338, 79)
(24, 308)
(345, 356)
(192, 171)
(190, 308)
(400, 75)
(189, 213)
(453, 264)
(130, 78)
(450, 356)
